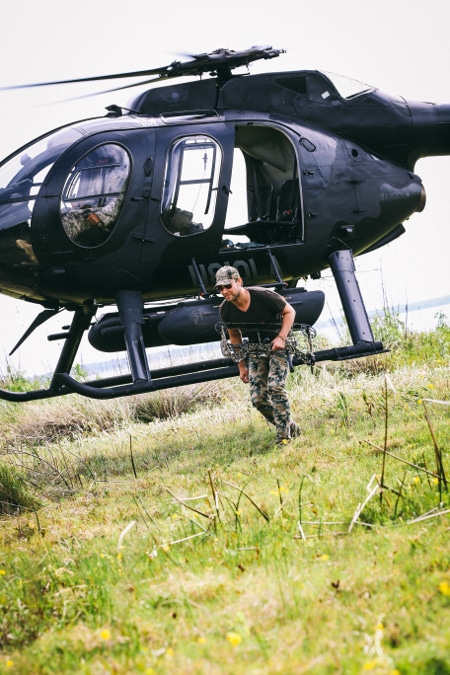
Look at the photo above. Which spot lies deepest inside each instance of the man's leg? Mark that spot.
(258, 368)
(276, 389)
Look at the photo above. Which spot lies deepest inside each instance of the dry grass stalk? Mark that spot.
(439, 464)
(400, 459)
(427, 516)
(209, 516)
(359, 509)
(242, 492)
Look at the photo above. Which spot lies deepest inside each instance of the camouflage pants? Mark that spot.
(268, 374)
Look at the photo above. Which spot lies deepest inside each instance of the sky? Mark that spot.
(399, 46)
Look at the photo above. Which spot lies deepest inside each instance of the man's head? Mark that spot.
(225, 276)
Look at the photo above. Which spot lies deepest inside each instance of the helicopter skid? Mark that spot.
(206, 371)
(176, 376)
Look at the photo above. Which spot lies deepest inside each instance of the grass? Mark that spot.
(166, 534)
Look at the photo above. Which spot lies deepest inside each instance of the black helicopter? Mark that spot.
(130, 209)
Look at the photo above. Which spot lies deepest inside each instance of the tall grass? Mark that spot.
(14, 495)
(172, 537)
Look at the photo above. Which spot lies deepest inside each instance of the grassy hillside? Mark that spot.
(166, 533)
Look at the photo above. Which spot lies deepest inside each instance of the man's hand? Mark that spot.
(93, 219)
(278, 343)
(243, 372)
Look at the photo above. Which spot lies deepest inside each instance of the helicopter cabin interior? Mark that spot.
(264, 204)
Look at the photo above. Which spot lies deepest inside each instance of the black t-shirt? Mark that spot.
(261, 320)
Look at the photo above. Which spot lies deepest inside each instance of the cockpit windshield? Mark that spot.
(23, 173)
(346, 87)
(21, 177)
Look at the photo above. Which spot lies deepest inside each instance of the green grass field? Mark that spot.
(167, 534)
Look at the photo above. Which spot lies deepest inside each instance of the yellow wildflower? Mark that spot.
(105, 634)
(234, 639)
(444, 587)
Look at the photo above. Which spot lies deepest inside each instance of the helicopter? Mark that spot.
(129, 210)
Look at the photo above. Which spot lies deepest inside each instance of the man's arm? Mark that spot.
(287, 321)
(236, 339)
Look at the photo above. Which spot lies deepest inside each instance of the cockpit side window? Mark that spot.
(190, 185)
(93, 195)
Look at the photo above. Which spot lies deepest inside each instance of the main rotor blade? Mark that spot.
(108, 91)
(220, 61)
(97, 78)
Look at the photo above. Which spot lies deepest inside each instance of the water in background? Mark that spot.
(417, 317)
(158, 357)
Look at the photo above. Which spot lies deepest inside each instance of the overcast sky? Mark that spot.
(399, 46)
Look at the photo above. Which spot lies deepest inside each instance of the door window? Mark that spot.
(190, 185)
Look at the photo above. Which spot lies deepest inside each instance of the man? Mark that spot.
(266, 319)
(101, 183)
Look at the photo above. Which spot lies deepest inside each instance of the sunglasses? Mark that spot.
(227, 286)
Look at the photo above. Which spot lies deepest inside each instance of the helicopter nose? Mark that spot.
(399, 202)
(422, 200)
